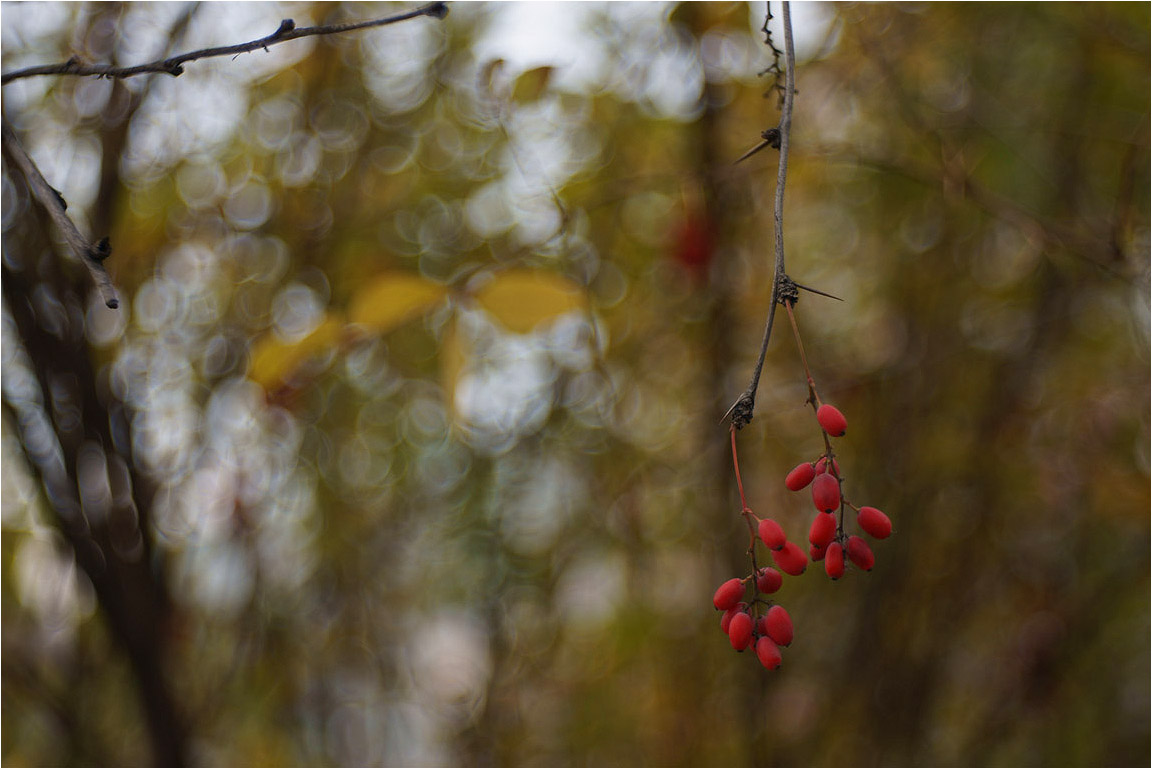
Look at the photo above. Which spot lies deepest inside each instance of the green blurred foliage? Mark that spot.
(426, 355)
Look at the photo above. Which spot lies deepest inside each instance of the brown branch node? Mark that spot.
(787, 290)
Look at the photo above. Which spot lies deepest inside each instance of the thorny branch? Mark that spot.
(741, 411)
(91, 255)
(175, 65)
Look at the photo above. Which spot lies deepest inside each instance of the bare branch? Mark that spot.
(91, 255)
(175, 65)
(742, 410)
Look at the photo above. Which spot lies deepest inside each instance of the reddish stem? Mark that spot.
(736, 464)
(803, 357)
(814, 401)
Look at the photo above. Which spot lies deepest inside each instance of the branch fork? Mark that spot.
(91, 255)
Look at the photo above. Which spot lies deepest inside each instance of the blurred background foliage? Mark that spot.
(404, 446)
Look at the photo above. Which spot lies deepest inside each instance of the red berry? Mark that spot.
(726, 617)
(834, 561)
(728, 594)
(822, 466)
(771, 534)
(740, 631)
(874, 522)
(860, 553)
(801, 475)
(768, 653)
(823, 529)
(831, 420)
(778, 625)
(768, 580)
(693, 247)
(826, 493)
(790, 559)
(816, 553)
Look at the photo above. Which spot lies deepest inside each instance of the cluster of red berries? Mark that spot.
(767, 631)
(826, 535)
(760, 622)
(828, 541)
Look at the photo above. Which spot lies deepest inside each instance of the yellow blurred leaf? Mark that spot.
(393, 299)
(453, 358)
(488, 72)
(522, 299)
(274, 361)
(530, 85)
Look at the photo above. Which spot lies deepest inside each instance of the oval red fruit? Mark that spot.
(816, 553)
(834, 561)
(778, 625)
(823, 529)
(768, 580)
(860, 554)
(826, 493)
(874, 522)
(771, 534)
(768, 653)
(831, 420)
(726, 617)
(728, 594)
(801, 475)
(790, 559)
(740, 631)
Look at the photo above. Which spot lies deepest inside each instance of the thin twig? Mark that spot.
(774, 68)
(741, 411)
(1089, 248)
(91, 255)
(174, 65)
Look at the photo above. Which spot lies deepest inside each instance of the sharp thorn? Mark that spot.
(816, 291)
(752, 151)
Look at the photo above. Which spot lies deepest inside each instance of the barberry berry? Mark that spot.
(860, 553)
(790, 559)
(768, 653)
(728, 594)
(740, 631)
(778, 625)
(771, 534)
(768, 580)
(874, 522)
(831, 420)
(823, 529)
(816, 553)
(826, 493)
(834, 561)
(726, 617)
(800, 476)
